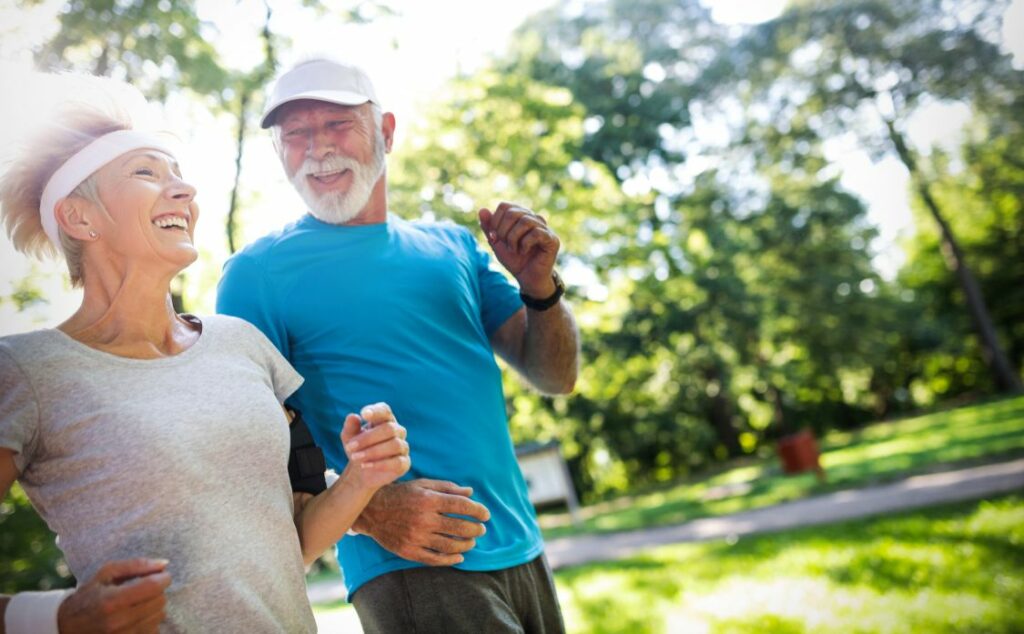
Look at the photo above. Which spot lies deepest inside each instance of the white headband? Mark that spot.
(83, 163)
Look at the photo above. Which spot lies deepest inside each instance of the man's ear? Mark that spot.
(74, 218)
(387, 128)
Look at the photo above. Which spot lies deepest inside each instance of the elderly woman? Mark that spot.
(154, 444)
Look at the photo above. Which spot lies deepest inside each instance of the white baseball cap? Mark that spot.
(322, 80)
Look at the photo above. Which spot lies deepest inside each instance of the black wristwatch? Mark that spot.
(543, 304)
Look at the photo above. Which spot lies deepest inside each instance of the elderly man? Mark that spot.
(370, 307)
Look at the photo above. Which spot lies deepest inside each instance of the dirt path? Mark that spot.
(911, 493)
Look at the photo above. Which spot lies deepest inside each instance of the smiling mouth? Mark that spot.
(174, 223)
(326, 178)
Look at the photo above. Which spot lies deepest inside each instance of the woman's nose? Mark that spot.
(181, 190)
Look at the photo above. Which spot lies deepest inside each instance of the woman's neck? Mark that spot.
(130, 314)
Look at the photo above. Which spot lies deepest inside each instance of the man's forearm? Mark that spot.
(551, 349)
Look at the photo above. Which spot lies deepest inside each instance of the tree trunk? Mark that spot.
(102, 66)
(243, 106)
(721, 414)
(259, 78)
(778, 414)
(881, 389)
(1006, 377)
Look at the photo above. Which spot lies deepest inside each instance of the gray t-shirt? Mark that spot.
(182, 458)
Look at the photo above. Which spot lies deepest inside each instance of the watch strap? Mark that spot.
(545, 303)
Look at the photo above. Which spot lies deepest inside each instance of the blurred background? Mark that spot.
(782, 222)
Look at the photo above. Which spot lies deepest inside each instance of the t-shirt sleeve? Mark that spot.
(499, 298)
(284, 379)
(283, 376)
(244, 291)
(19, 412)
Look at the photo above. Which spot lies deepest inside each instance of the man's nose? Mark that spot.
(321, 143)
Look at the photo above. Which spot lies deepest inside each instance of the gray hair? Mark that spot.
(21, 187)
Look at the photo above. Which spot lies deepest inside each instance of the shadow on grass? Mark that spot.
(909, 561)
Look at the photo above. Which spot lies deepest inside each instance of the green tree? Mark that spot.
(640, 70)
(867, 66)
(984, 184)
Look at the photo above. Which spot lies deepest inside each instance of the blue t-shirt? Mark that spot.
(398, 312)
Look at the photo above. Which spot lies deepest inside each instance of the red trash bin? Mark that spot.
(799, 452)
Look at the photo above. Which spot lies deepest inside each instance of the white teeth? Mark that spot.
(171, 221)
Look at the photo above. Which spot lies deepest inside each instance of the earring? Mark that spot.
(93, 234)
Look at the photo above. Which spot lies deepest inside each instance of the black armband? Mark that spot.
(306, 464)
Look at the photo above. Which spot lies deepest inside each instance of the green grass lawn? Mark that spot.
(878, 453)
(957, 568)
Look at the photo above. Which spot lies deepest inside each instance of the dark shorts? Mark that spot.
(451, 601)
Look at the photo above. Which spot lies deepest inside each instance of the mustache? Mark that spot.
(331, 163)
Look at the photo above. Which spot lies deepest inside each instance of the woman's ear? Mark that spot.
(73, 217)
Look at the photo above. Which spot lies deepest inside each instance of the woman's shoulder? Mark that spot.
(22, 343)
(230, 329)
(221, 325)
(26, 354)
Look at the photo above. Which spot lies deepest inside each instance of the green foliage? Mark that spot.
(29, 557)
(828, 68)
(631, 64)
(159, 46)
(949, 569)
(25, 293)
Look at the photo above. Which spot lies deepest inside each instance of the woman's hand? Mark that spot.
(123, 596)
(377, 452)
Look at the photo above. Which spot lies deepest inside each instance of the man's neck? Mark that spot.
(375, 211)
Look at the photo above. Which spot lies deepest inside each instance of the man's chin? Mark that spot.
(331, 214)
(333, 219)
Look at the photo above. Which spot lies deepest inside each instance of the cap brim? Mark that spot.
(340, 97)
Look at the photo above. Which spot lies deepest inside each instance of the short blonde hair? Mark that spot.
(71, 128)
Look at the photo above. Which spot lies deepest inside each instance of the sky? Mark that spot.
(410, 56)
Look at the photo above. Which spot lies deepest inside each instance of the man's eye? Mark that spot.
(144, 171)
(295, 134)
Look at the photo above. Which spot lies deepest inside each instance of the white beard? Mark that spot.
(337, 208)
